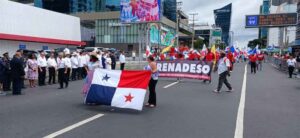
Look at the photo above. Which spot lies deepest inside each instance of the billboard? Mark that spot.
(135, 11)
(271, 20)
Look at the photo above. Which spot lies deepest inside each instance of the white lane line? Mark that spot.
(172, 84)
(55, 134)
(239, 127)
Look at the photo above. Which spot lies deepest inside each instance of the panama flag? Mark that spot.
(122, 89)
(148, 52)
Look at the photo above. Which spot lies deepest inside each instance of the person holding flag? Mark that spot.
(260, 58)
(253, 59)
(223, 71)
(152, 84)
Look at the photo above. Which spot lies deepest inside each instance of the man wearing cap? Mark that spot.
(7, 72)
(74, 63)
(52, 66)
(18, 73)
(42, 65)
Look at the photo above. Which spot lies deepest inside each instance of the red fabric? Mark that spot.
(191, 56)
(210, 57)
(40, 39)
(230, 57)
(260, 57)
(217, 56)
(162, 57)
(253, 58)
(134, 79)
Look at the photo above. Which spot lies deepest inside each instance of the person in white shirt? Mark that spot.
(42, 65)
(99, 56)
(62, 71)
(108, 61)
(75, 64)
(223, 71)
(291, 65)
(122, 60)
(81, 67)
(69, 66)
(52, 66)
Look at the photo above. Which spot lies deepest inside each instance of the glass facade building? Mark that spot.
(223, 20)
(264, 9)
(169, 9)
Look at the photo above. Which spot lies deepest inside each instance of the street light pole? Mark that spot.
(177, 21)
(193, 39)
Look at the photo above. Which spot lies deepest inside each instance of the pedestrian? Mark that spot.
(93, 64)
(32, 73)
(75, 64)
(253, 60)
(260, 58)
(52, 67)
(81, 67)
(2, 74)
(18, 73)
(153, 81)
(7, 72)
(62, 71)
(68, 65)
(103, 60)
(209, 58)
(291, 65)
(122, 60)
(224, 72)
(42, 63)
(113, 61)
(108, 61)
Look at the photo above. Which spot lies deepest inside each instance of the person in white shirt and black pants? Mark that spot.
(223, 71)
(52, 65)
(42, 64)
(62, 71)
(291, 65)
(74, 63)
(122, 60)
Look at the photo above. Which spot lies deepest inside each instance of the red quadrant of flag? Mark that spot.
(134, 79)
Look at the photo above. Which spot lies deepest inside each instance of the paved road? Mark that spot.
(188, 109)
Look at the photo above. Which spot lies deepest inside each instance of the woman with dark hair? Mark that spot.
(32, 73)
(93, 64)
(152, 84)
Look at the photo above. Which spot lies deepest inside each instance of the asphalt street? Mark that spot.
(188, 109)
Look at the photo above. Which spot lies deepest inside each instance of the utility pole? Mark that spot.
(193, 20)
(178, 8)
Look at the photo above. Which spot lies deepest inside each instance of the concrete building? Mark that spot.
(28, 27)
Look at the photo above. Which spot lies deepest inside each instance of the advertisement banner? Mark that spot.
(135, 11)
(185, 69)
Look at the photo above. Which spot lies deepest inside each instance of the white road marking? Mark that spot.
(239, 127)
(172, 84)
(55, 134)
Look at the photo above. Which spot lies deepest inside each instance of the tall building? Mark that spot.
(223, 20)
(264, 9)
(169, 9)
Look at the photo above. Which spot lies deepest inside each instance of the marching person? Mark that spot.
(153, 81)
(253, 60)
(52, 67)
(7, 72)
(210, 57)
(62, 71)
(68, 65)
(42, 64)
(81, 67)
(75, 64)
(93, 64)
(291, 65)
(2, 73)
(18, 74)
(108, 61)
(103, 60)
(260, 58)
(113, 61)
(122, 60)
(224, 72)
(32, 73)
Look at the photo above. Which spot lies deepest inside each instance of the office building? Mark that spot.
(223, 20)
(264, 9)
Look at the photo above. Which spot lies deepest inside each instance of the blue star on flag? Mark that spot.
(106, 78)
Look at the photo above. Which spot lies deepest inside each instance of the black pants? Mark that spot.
(52, 75)
(7, 82)
(17, 86)
(253, 67)
(291, 71)
(63, 77)
(79, 73)
(113, 66)
(223, 79)
(152, 92)
(42, 76)
(122, 66)
(83, 73)
(74, 74)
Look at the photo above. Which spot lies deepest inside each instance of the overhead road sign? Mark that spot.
(271, 20)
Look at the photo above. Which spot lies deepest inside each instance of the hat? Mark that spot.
(74, 54)
(5, 53)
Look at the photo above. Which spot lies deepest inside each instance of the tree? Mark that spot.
(262, 42)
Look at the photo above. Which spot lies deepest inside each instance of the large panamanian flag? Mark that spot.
(122, 89)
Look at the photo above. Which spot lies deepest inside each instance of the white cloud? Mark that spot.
(240, 9)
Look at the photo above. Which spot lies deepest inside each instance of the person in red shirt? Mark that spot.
(230, 56)
(260, 58)
(210, 57)
(253, 60)
(162, 57)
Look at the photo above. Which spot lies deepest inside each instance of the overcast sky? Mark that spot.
(240, 8)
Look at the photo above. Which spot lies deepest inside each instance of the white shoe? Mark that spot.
(216, 91)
